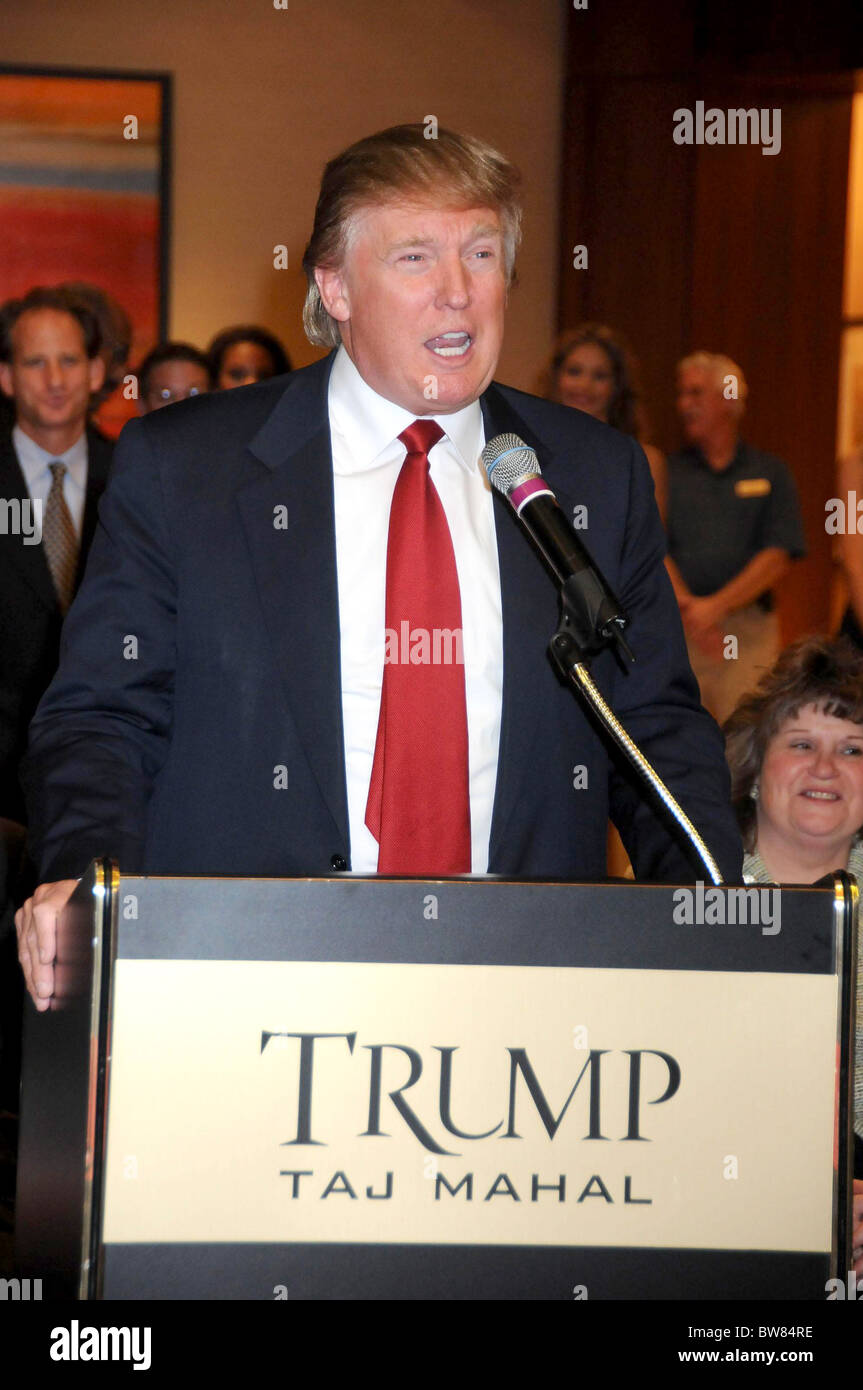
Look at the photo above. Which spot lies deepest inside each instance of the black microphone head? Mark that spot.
(509, 462)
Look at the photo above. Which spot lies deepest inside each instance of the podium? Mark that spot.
(460, 1089)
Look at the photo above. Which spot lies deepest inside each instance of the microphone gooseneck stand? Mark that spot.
(591, 616)
(591, 621)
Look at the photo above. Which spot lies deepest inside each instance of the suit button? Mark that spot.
(338, 862)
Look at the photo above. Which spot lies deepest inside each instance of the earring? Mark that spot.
(754, 792)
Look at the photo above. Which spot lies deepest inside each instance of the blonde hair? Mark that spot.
(719, 366)
(404, 161)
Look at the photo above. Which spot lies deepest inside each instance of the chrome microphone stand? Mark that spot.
(590, 621)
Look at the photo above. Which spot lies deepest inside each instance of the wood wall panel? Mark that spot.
(714, 246)
(768, 252)
(629, 197)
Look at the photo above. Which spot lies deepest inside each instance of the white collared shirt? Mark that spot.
(367, 460)
(34, 461)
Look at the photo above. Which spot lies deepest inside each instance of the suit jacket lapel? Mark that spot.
(526, 590)
(298, 589)
(295, 571)
(29, 559)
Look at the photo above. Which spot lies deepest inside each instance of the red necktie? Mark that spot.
(419, 806)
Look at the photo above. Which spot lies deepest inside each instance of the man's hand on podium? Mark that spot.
(36, 922)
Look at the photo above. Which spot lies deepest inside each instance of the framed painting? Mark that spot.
(84, 194)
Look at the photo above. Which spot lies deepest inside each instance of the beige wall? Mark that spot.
(263, 97)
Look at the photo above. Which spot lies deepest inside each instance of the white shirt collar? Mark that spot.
(369, 423)
(34, 460)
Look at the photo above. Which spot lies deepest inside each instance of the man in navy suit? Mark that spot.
(218, 708)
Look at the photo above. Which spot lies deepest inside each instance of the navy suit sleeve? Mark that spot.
(657, 701)
(101, 732)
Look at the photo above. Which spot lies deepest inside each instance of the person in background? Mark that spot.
(53, 470)
(50, 367)
(592, 369)
(115, 329)
(795, 751)
(734, 527)
(171, 372)
(243, 355)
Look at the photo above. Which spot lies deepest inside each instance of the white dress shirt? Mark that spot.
(34, 461)
(367, 460)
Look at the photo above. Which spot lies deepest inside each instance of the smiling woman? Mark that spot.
(592, 369)
(795, 750)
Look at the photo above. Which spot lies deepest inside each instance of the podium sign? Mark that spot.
(472, 1089)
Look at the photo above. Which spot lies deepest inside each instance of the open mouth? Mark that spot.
(450, 344)
(820, 796)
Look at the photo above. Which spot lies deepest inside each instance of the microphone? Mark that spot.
(592, 617)
(595, 616)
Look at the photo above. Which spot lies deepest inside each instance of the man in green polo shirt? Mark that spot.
(734, 527)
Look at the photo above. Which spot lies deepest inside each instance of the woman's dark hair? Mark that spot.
(624, 411)
(247, 333)
(813, 671)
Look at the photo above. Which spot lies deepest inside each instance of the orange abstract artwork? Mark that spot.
(80, 196)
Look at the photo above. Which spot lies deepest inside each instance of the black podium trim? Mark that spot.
(469, 1272)
(477, 922)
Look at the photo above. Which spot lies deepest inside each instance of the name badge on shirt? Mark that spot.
(752, 487)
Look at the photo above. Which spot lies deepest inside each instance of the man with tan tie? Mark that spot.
(52, 472)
